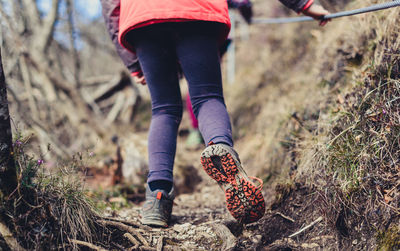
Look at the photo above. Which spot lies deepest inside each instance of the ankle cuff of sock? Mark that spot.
(165, 185)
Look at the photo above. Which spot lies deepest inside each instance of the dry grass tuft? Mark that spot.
(47, 211)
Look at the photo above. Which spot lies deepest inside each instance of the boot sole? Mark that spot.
(154, 222)
(244, 200)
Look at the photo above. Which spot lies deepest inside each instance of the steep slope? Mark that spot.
(317, 112)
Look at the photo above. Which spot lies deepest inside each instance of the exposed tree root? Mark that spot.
(126, 228)
(87, 244)
(132, 239)
(9, 238)
(129, 222)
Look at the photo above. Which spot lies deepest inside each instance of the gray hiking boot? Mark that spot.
(156, 210)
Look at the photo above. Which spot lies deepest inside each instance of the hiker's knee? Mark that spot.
(172, 111)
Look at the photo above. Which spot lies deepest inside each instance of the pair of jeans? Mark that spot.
(163, 50)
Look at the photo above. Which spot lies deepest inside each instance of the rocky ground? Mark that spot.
(201, 221)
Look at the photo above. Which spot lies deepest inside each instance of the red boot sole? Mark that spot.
(243, 199)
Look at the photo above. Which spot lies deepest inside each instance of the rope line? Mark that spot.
(371, 8)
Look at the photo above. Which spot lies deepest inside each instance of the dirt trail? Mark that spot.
(200, 220)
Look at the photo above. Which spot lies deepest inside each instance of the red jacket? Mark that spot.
(139, 13)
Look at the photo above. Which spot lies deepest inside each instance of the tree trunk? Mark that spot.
(8, 177)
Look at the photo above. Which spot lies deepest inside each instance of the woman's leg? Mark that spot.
(158, 61)
(197, 50)
(198, 54)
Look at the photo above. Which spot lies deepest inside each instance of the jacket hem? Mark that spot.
(148, 19)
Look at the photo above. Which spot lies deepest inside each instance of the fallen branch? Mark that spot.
(306, 227)
(87, 244)
(126, 228)
(9, 238)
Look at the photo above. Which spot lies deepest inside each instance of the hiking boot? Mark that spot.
(243, 195)
(156, 210)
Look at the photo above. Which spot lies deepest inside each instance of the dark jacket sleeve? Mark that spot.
(111, 10)
(296, 5)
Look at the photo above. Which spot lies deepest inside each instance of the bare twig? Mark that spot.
(306, 227)
(126, 228)
(285, 217)
(89, 245)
